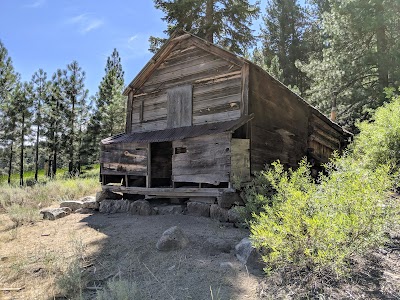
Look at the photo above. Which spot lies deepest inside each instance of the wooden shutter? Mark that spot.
(180, 106)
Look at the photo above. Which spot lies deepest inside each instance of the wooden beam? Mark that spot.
(244, 106)
(128, 126)
(169, 192)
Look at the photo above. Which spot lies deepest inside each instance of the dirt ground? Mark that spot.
(33, 257)
(121, 246)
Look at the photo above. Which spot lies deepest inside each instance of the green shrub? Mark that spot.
(379, 139)
(318, 227)
(119, 290)
(257, 194)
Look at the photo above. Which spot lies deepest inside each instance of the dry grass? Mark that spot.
(23, 203)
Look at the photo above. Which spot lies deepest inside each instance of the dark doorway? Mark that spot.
(161, 164)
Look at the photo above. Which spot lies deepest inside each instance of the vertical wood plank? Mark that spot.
(141, 108)
(180, 106)
(244, 107)
(128, 125)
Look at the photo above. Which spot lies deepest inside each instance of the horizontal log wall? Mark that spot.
(206, 159)
(124, 158)
(216, 88)
(279, 129)
(323, 139)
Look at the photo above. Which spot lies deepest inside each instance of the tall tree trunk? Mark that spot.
(37, 151)
(21, 157)
(209, 34)
(381, 43)
(10, 161)
(71, 166)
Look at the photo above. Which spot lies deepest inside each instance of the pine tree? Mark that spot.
(40, 91)
(8, 83)
(224, 22)
(109, 116)
(111, 102)
(284, 27)
(75, 97)
(361, 58)
(53, 119)
(24, 105)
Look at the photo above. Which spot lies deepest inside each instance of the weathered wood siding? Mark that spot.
(124, 158)
(216, 84)
(240, 159)
(323, 139)
(206, 159)
(279, 129)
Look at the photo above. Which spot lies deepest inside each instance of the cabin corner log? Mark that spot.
(200, 118)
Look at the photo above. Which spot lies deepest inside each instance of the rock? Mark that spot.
(91, 204)
(228, 199)
(233, 216)
(226, 265)
(172, 239)
(218, 213)
(248, 255)
(141, 208)
(84, 211)
(88, 199)
(114, 206)
(209, 200)
(103, 195)
(170, 210)
(215, 246)
(55, 213)
(73, 205)
(198, 209)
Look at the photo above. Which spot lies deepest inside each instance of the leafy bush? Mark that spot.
(257, 194)
(318, 227)
(379, 139)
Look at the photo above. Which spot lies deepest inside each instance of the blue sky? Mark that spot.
(49, 34)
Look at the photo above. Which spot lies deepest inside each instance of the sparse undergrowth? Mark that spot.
(22, 204)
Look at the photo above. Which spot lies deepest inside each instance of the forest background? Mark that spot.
(339, 55)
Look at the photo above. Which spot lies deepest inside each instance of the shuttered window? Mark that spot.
(180, 106)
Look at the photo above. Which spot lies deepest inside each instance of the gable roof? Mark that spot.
(181, 35)
(167, 48)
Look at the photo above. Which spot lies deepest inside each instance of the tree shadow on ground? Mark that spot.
(127, 251)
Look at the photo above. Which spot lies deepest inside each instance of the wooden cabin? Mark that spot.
(199, 117)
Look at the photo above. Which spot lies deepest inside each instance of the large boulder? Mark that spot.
(114, 206)
(141, 208)
(73, 205)
(170, 210)
(218, 213)
(233, 216)
(228, 199)
(248, 255)
(91, 204)
(103, 195)
(172, 239)
(55, 213)
(198, 209)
